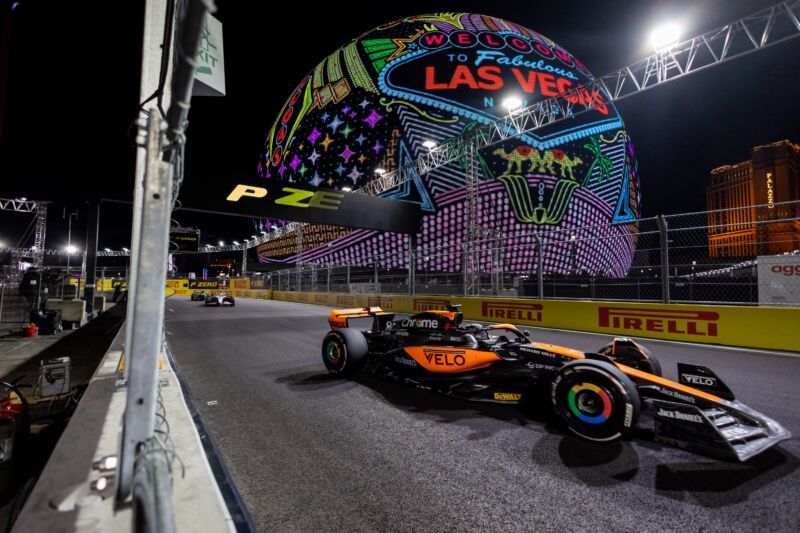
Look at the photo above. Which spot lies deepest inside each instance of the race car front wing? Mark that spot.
(729, 431)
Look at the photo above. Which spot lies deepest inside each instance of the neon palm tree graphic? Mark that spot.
(599, 159)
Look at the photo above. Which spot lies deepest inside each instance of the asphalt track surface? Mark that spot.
(311, 452)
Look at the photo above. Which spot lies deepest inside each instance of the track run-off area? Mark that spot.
(312, 452)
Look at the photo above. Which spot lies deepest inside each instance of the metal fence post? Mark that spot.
(412, 272)
(375, 269)
(464, 267)
(328, 285)
(150, 271)
(539, 265)
(348, 278)
(664, 244)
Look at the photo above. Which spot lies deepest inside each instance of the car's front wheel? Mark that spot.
(344, 350)
(595, 400)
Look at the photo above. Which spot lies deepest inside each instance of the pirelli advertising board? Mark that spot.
(184, 240)
(197, 284)
(754, 327)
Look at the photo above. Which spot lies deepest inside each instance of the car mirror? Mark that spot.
(527, 334)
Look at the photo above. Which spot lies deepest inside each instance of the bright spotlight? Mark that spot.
(125, 249)
(222, 243)
(380, 171)
(347, 189)
(430, 145)
(512, 103)
(107, 249)
(665, 36)
(71, 249)
(236, 243)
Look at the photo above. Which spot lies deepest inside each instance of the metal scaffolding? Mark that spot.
(39, 209)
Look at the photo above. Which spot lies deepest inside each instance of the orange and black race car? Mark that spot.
(598, 395)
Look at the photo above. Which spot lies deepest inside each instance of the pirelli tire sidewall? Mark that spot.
(344, 351)
(595, 400)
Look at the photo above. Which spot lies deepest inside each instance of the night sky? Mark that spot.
(72, 95)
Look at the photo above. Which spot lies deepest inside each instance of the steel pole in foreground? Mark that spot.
(663, 237)
(145, 339)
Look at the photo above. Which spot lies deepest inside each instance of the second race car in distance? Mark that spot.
(597, 395)
(220, 299)
(198, 296)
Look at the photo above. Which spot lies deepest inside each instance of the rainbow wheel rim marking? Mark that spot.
(576, 408)
(333, 353)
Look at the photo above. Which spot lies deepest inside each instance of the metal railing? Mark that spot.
(701, 257)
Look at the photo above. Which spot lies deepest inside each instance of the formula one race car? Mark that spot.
(597, 395)
(220, 299)
(198, 296)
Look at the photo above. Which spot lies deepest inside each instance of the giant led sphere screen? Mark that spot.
(380, 100)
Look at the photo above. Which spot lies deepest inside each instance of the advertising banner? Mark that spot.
(184, 240)
(756, 327)
(779, 280)
(203, 284)
(278, 199)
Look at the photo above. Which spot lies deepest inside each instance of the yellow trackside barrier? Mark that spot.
(773, 328)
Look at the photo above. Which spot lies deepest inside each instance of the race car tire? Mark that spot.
(629, 355)
(595, 400)
(344, 351)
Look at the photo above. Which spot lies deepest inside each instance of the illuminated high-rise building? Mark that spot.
(770, 179)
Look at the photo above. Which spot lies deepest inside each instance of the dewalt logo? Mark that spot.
(507, 396)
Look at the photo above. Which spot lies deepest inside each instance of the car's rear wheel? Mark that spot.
(344, 351)
(595, 400)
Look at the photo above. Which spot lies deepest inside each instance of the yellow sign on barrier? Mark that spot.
(773, 328)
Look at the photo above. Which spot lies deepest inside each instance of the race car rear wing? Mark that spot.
(340, 318)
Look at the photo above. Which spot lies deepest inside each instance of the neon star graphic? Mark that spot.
(315, 134)
(401, 45)
(355, 174)
(325, 116)
(373, 118)
(346, 109)
(326, 141)
(314, 156)
(363, 104)
(362, 158)
(295, 162)
(303, 169)
(335, 123)
(282, 169)
(340, 169)
(377, 147)
(316, 180)
(346, 131)
(360, 139)
(346, 154)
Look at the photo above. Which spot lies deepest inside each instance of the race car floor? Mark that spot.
(312, 452)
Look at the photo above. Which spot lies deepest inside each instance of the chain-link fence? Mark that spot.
(709, 256)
